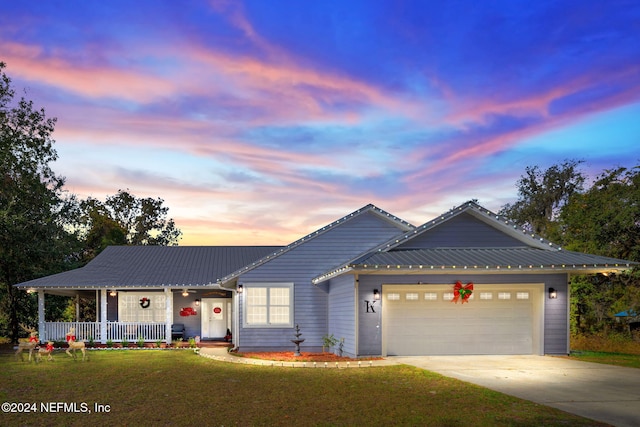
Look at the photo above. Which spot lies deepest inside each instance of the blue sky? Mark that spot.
(260, 121)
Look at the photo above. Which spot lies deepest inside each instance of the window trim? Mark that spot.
(268, 286)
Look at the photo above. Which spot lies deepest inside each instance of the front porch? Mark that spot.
(148, 315)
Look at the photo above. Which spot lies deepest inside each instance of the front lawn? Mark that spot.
(618, 359)
(181, 388)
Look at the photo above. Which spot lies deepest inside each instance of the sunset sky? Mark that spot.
(260, 121)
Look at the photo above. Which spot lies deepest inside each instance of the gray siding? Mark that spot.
(302, 263)
(556, 316)
(342, 312)
(556, 321)
(369, 323)
(464, 230)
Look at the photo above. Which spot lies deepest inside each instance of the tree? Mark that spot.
(602, 220)
(605, 220)
(124, 219)
(33, 212)
(541, 196)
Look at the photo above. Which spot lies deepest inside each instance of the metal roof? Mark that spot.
(517, 258)
(536, 253)
(154, 266)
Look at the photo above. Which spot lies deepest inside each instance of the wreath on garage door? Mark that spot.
(462, 292)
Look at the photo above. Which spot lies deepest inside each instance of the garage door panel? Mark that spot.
(440, 327)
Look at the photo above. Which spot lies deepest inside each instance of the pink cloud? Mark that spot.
(31, 63)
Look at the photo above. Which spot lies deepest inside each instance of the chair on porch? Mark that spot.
(177, 330)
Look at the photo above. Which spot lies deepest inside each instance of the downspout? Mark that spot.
(356, 291)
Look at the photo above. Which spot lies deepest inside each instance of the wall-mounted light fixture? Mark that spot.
(240, 289)
(185, 293)
(376, 295)
(197, 302)
(113, 293)
(553, 294)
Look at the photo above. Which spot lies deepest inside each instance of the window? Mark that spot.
(412, 296)
(130, 308)
(447, 296)
(504, 295)
(486, 295)
(393, 296)
(522, 295)
(268, 305)
(430, 296)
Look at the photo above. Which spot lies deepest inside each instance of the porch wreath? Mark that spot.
(462, 292)
(145, 302)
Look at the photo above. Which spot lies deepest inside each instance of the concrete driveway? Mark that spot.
(605, 393)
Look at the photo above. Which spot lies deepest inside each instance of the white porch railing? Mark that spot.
(133, 331)
(116, 331)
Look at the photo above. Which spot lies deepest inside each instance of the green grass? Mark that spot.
(181, 388)
(618, 359)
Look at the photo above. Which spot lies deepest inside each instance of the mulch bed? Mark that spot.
(287, 356)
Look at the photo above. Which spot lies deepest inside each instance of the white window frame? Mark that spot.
(248, 287)
(129, 309)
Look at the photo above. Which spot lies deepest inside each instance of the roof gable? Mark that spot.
(470, 225)
(425, 249)
(461, 231)
(393, 220)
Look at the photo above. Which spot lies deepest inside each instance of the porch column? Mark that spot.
(41, 327)
(103, 316)
(169, 314)
(235, 334)
(77, 307)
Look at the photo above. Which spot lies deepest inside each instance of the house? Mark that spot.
(466, 282)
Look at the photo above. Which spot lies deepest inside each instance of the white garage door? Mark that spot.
(498, 319)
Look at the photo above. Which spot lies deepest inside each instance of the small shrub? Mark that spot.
(140, 342)
(91, 342)
(109, 343)
(125, 343)
(158, 343)
(192, 343)
(329, 341)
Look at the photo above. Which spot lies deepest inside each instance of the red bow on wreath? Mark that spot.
(460, 291)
